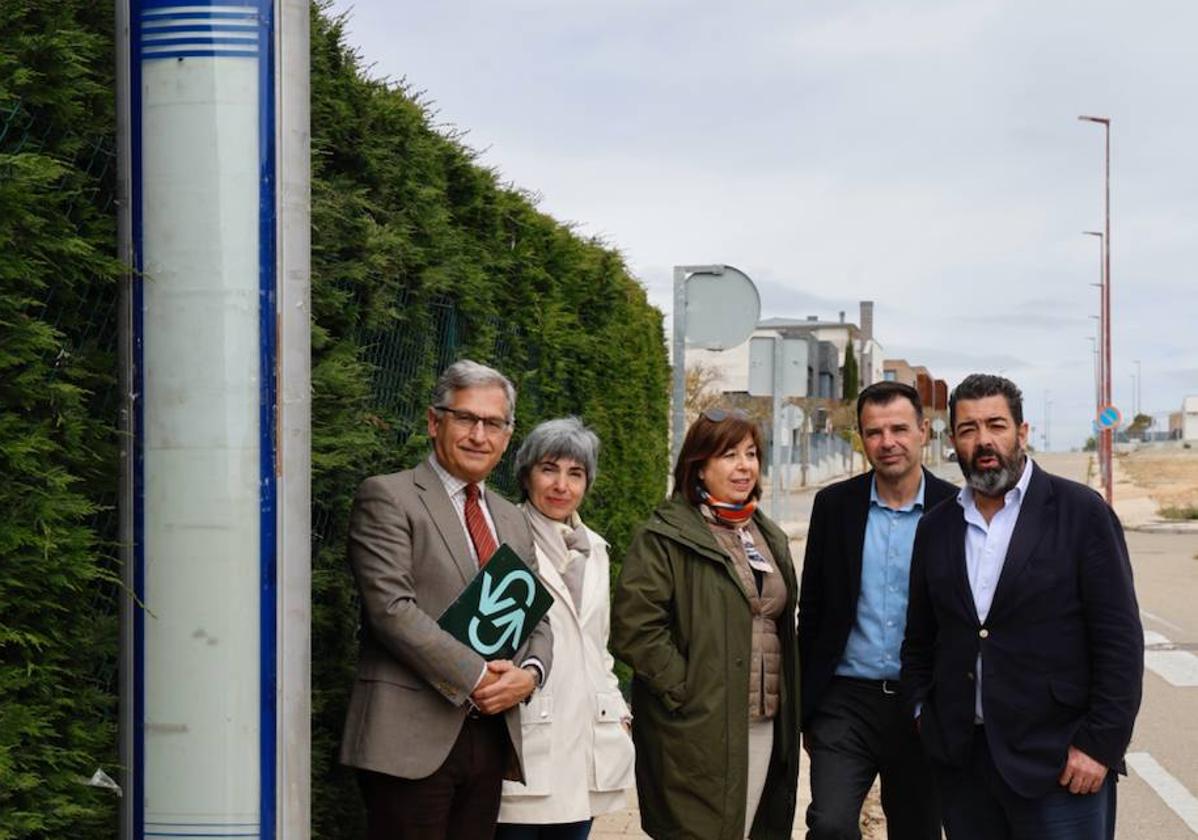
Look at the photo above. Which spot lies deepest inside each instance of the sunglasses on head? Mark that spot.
(719, 415)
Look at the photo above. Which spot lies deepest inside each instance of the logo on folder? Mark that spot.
(495, 614)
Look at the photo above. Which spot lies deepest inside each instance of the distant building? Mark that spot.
(840, 334)
(827, 345)
(933, 393)
(941, 395)
(1189, 418)
(871, 351)
(898, 370)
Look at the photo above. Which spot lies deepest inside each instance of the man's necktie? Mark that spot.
(476, 525)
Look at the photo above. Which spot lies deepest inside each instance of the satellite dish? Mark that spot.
(722, 310)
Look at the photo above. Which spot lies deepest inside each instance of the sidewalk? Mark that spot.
(1134, 505)
(628, 823)
(625, 824)
(795, 513)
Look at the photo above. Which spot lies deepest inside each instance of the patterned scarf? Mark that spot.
(728, 513)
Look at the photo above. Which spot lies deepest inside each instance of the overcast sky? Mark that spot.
(925, 155)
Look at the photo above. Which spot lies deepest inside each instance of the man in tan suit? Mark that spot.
(432, 728)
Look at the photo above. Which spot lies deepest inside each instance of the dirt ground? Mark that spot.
(1169, 475)
(873, 822)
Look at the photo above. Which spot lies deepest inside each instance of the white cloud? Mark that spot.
(873, 32)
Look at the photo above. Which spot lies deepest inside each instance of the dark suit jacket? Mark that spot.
(410, 559)
(1062, 647)
(832, 576)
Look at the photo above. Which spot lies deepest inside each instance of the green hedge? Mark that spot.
(58, 626)
(420, 256)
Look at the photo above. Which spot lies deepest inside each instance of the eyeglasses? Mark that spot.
(719, 415)
(467, 420)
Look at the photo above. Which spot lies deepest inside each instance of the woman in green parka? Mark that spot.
(704, 612)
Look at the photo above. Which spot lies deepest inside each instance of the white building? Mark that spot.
(1189, 418)
(731, 366)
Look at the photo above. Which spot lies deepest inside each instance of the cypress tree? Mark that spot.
(58, 633)
(851, 374)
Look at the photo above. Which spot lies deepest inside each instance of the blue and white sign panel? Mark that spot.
(204, 326)
(199, 30)
(1109, 418)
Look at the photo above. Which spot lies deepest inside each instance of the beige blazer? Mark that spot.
(410, 559)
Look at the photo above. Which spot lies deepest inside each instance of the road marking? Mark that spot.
(1171, 791)
(1159, 620)
(1176, 667)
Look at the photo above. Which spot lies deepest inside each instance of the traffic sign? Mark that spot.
(722, 309)
(762, 376)
(938, 425)
(1109, 418)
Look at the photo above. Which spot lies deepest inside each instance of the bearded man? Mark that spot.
(1024, 655)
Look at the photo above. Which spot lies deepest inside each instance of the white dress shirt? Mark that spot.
(456, 488)
(986, 551)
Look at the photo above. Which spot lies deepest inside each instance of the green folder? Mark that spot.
(497, 612)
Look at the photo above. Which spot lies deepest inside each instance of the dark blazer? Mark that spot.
(1062, 647)
(831, 581)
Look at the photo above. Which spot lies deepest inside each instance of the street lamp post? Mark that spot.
(1139, 388)
(1098, 400)
(1098, 369)
(1107, 435)
(1047, 421)
(1093, 339)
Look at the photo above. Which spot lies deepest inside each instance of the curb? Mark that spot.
(1165, 527)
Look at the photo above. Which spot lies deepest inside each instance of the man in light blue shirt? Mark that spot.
(872, 651)
(852, 614)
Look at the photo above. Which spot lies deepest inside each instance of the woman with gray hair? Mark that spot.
(578, 755)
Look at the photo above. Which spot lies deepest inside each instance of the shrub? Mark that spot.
(58, 623)
(421, 256)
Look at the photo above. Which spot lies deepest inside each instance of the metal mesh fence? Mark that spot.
(404, 361)
(85, 317)
(425, 337)
(85, 321)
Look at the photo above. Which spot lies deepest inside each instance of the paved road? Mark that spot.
(1157, 798)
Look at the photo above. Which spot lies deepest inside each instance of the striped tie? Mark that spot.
(476, 524)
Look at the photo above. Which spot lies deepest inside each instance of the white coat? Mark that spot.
(578, 759)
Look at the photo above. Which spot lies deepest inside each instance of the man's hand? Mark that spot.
(489, 677)
(1082, 774)
(503, 686)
